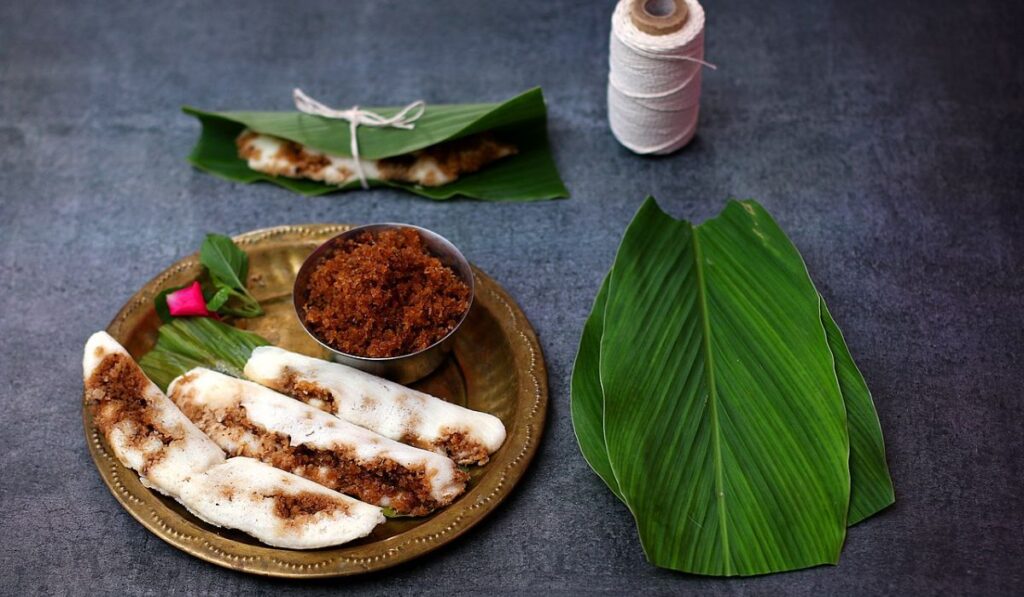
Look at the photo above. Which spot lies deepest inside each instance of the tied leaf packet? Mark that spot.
(715, 396)
(529, 175)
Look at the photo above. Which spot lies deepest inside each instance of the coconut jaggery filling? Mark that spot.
(453, 158)
(305, 504)
(116, 394)
(308, 392)
(384, 294)
(453, 444)
(378, 481)
(461, 449)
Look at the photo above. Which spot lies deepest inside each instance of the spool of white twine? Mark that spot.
(656, 58)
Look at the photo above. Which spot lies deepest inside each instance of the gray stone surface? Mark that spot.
(885, 136)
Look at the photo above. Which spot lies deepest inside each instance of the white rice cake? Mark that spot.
(148, 434)
(144, 429)
(392, 410)
(278, 508)
(247, 419)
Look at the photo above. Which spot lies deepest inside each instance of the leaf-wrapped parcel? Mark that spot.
(528, 175)
(715, 396)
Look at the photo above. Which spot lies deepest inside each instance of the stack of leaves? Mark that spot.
(715, 396)
(527, 176)
(189, 342)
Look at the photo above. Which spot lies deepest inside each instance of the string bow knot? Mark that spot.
(403, 119)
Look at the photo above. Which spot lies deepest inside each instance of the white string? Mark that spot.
(404, 119)
(654, 82)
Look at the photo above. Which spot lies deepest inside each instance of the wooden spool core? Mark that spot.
(659, 17)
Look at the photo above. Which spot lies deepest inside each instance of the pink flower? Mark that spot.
(188, 302)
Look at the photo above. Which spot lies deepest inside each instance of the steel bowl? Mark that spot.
(405, 368)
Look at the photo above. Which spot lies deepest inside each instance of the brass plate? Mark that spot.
(496, 366)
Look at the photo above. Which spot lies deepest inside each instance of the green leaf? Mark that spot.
(871, 486)
(724, 421)
(586, 398)
(226, 263)
(751, 233)
(390, 512)
(527, 176)
(218, 299)
(228, 267)
(163, 367)
(238, 304)
(189, 342)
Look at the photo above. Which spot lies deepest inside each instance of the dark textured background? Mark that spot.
(885, 136)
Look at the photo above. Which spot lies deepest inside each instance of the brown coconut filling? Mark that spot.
(377, 481)
(461, 449)
(308, 392)
(305, 504)
(116, 394)
(454, 444)
(453, 158)
(291, 506)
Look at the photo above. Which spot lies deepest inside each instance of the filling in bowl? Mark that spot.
(384, 294)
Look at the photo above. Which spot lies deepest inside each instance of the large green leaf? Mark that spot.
(723, 418)
(522, 120)
(870, 484)
(749, 230)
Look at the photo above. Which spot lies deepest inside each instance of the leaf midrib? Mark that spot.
(709, 366)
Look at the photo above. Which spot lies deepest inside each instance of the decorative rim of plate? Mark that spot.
(509, 464)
